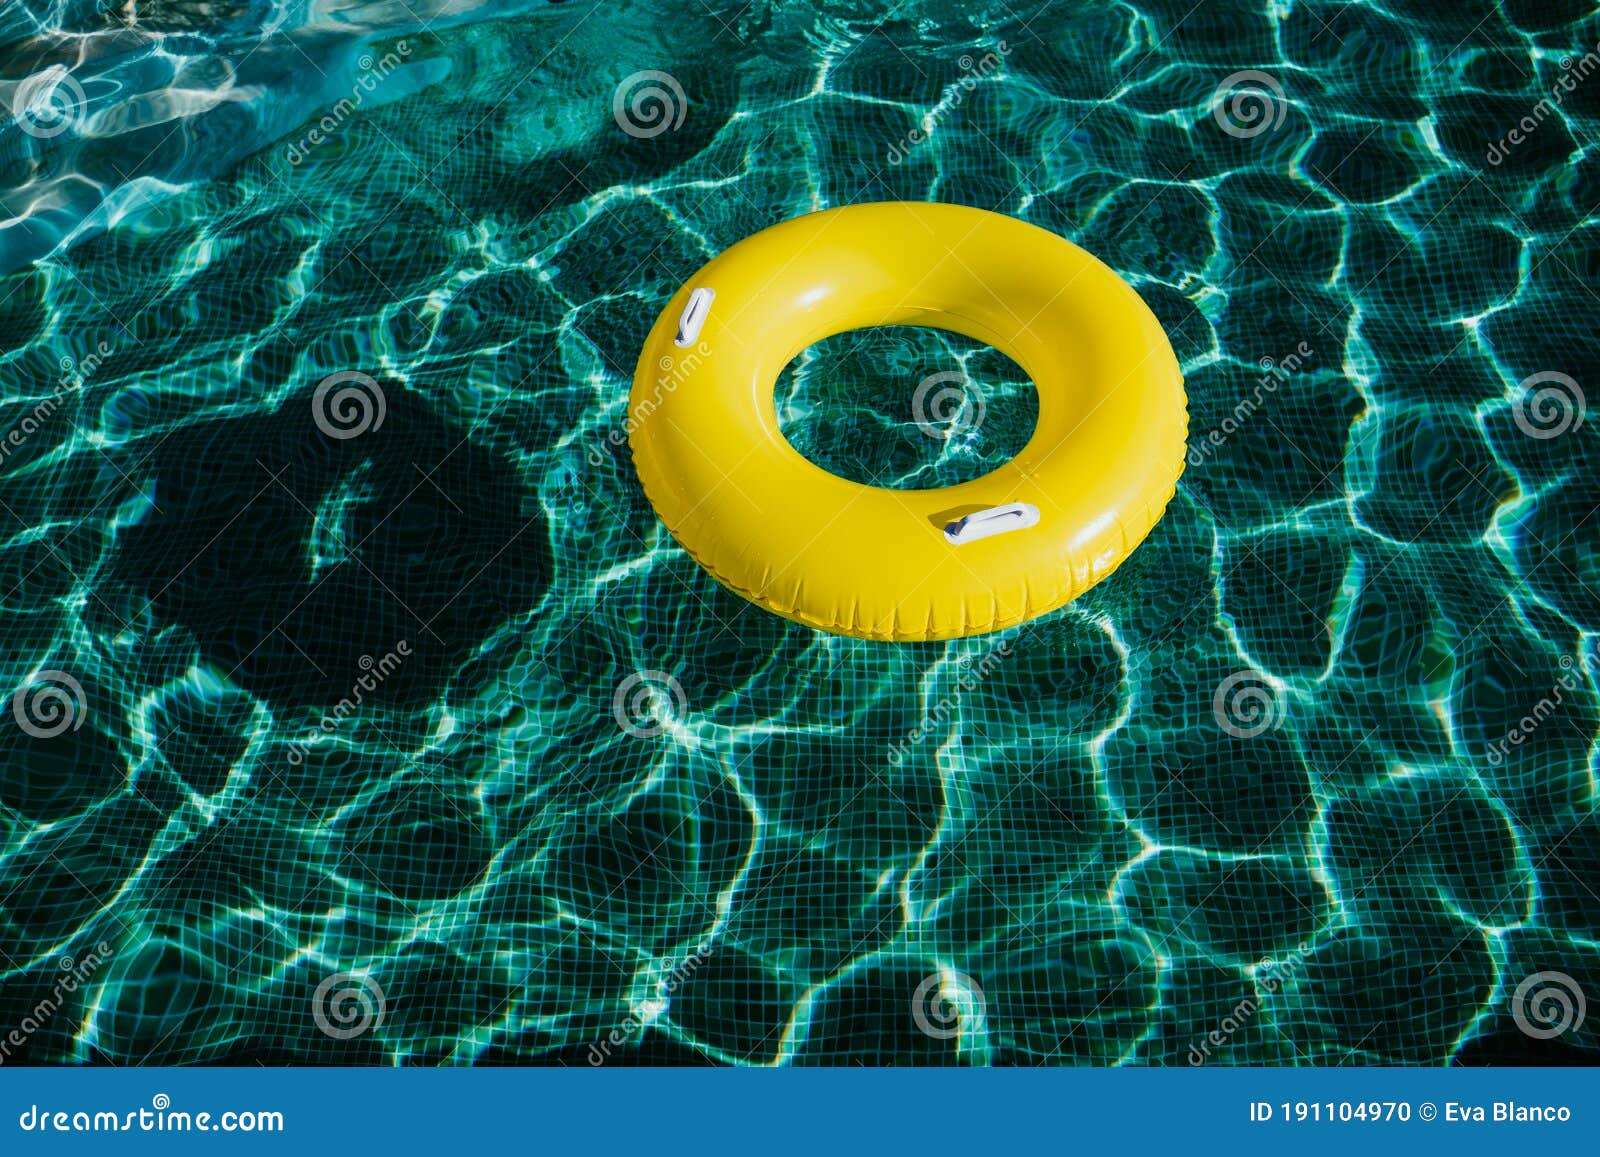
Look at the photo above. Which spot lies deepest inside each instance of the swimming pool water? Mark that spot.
(361, 711)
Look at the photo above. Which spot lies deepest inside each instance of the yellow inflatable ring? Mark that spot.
(874, 563)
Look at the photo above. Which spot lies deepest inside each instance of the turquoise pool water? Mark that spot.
(361, 711)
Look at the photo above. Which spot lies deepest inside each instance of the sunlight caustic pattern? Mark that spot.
(358, 709)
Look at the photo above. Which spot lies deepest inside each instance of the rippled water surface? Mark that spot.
(361, 710)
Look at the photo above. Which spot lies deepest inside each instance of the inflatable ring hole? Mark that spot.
(905, 407)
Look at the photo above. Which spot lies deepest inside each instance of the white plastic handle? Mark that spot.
(995, 520)
(693, 317)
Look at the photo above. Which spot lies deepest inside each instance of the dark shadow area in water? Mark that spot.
(292, 556)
